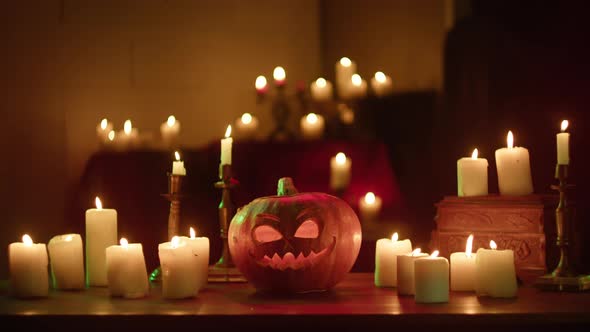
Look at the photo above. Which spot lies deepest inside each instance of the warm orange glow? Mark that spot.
(177, 155)
(493, 245)
(510, 140)
(279, 74)
(103, 124)
(321, 82)
(340, 158)
(171, 121)
(111, 135)
(192, 233)
(370, 198)
(127, 127)
(124, 242)
(394, 237)
(260, 82)
(469, 245)
(345, 62)
(246, 118)
(311, 118)
(356, 80)
(416, 252)
(474, 154)
(564, 125)
(175, 242)
(68, 238)
(27, 240)
(434, 254)
(380, 77)
(98, 203)
(228, 131)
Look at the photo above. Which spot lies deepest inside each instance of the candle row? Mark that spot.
(489, 272)
(129, 136)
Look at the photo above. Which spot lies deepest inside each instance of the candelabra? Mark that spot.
(174, 196)
(281, 110)
(564, 277)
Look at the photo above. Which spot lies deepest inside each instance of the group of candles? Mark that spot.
(512, 165)
(130, 137)
(430, 278)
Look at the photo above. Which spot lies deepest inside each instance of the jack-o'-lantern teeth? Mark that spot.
(289, 261)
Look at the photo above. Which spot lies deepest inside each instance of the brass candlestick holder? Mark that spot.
(174, 196)
(564, 277)
(225, 270)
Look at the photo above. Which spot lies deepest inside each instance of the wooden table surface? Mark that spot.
(355, 302)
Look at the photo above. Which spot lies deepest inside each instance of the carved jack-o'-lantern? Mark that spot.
(295, 242)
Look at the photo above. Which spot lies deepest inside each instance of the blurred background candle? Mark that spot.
(321, 90)
(340, 171)
(431, 279)
(472, 176)
(495, 274)
(514, 169)
(358, 87)
(170, 130)
(28, 268)
(279, 76)
(126, 271)
(129, 136)
(179, 270)
(103, 129)
(344, 70)
(246, 125)
(381, 84)
(101, 232)
(463, 268)
(226, 145)
(66, 258)
(370, 207)
(312, 126)
(386, 252)
(261, 85)
(405, 271)
(178, 165)
(200, 251)
(563, 148)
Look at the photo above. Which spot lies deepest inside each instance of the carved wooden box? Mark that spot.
(513, 222)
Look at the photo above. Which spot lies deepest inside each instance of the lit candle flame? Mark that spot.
(564, 125)
(68, 238)
(98, 203)
(175, 242)
(493, 245)
(171, 121)
(356, 80)
(321, 82)
(469, 245)
(193, 233)
(127, 127)
(345, 62)
(246, 118)
(111, 135)
(434, 254)
(380, 77)
(228, 131)
(510, 140)
(394, 237)
(27, 240)
(474, 154)
(311, 118)
(103, 124)
(340, 158)
(260, 82)
(124, 242)
(177, 155)
(370, 198)
(416, 252)
(279, 73)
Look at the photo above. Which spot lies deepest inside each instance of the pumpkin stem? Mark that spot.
(286, 187)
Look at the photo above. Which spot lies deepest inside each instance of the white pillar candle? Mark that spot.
(261, 85)
(369, 207)
(128, 137)
(321, 90)
(28, 268)
(405, 272)
(463, 268)
(495, 274)
(563, 148)
(344, 70)
(340, 171)
(381, 84)
(66, 258)
(179, 270)
(226, 145)
(472, 176)
(386, 252)
(178, 165)
(200, 250)
(431, 279)
(247, 125)
(312, 126)
(103, 129)
(358, 87)
(514, 169)
(279, 76)
(170, 130)
(101, 232)
(126, 271)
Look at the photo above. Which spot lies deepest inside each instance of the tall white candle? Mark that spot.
(405, 272)
(563, 145)
(28, 268)
(170, 130)
(179, 270)
(514, 169)
(463, 268)
(381, 84)
(340, 171)
(321, 90)
(103, 129)
(226, 145)
(431, 279)
(386, 252)
(126, 271)
(344, 70)
(472, 176)
(101, 232)
(495, 273)
(178, 165)
(312, 126)
(247, 125)
(369, 207)
(66, 258)
(200, 250)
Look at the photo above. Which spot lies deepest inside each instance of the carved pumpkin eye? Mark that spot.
(264, 234)
(308, 230)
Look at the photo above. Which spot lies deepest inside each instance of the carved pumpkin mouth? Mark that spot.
(290, 261)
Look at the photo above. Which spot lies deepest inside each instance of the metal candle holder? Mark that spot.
(174, 196)
(564, 277)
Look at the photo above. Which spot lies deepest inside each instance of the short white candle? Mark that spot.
(340, 171)
(261, 85)
(463, 268)
(178, 165)
(514, 169)
(111, 138)
(386, 252)
(563, 147)
(279, 75)
(344, 69)
(200, 249)
(495, 274)
(179, 270)
(170, 130)
(312, 126)
(126, 271)
(101, 232)
(66, 257)
(381, 84)
(128, 137)
(369, 206)
(247, 125)
(103, 129)
(472, 176)
(431, 279)
(321, 90)
(358, 87)
(405, 271)
(226, 145)
(28, 268)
